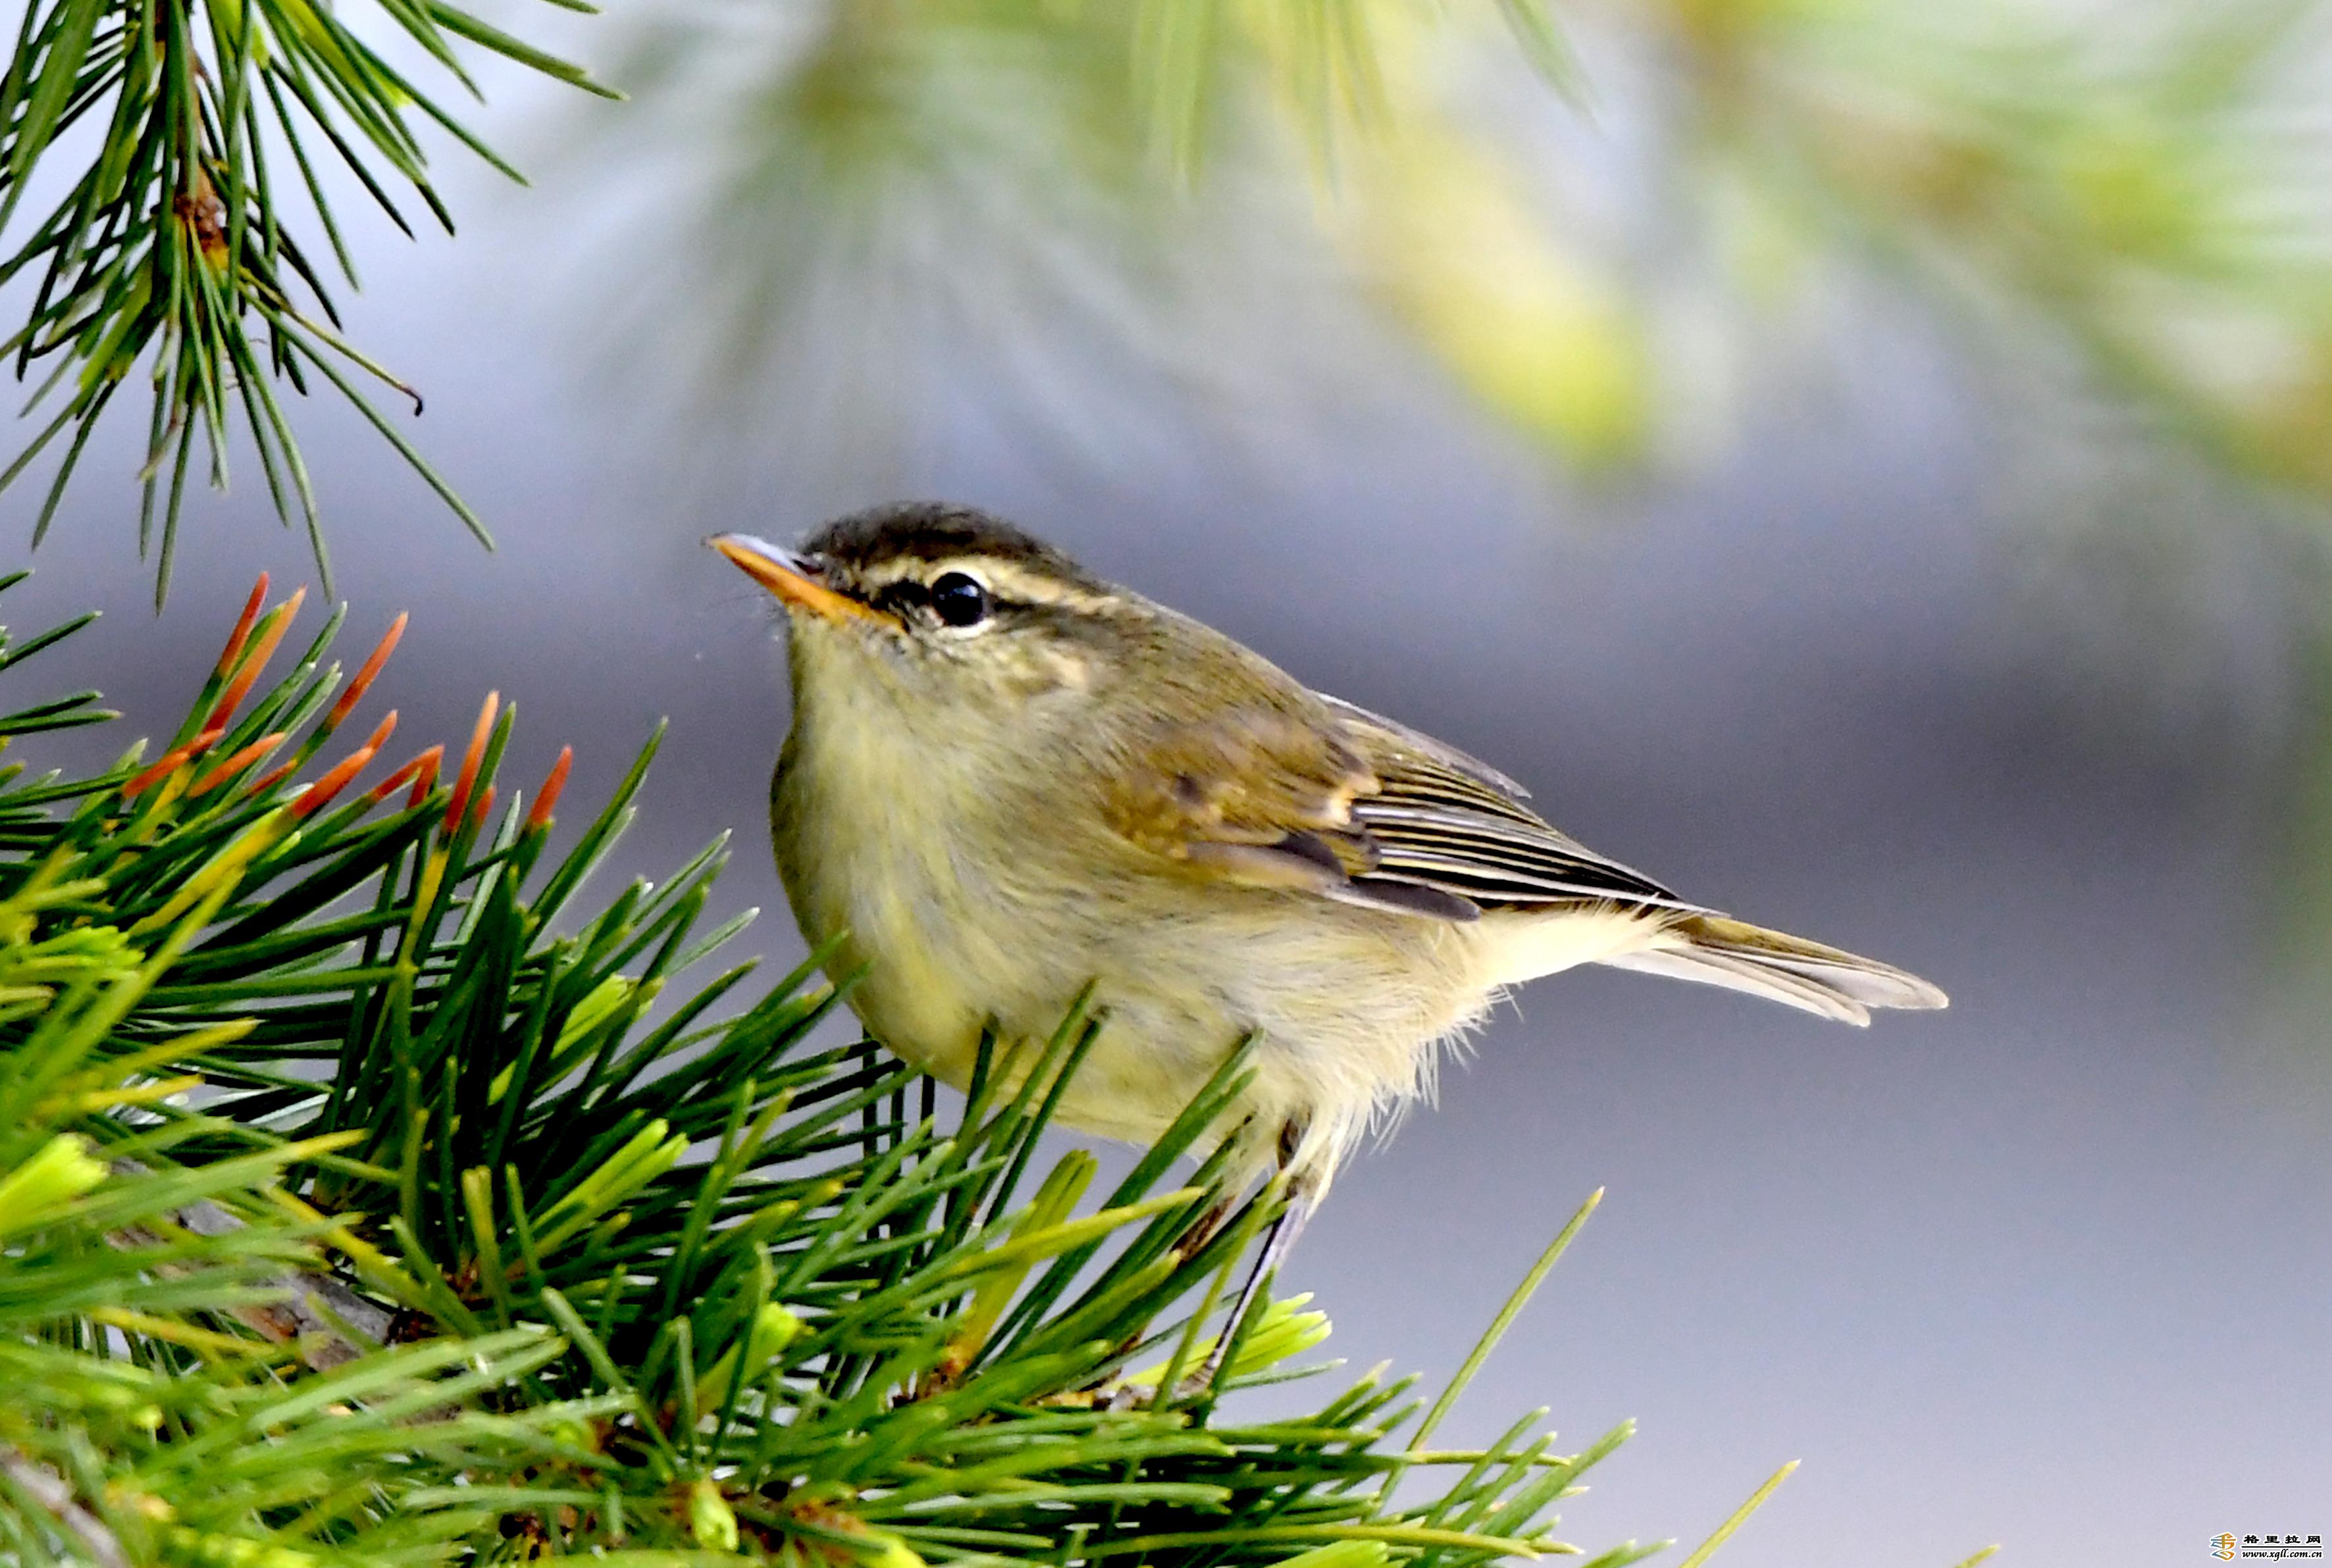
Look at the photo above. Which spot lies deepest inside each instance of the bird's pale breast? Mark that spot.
(960, 916)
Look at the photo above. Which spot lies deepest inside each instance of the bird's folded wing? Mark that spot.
(1337, 802)
(1260, 779)
(1472, 769)
(1444, 827)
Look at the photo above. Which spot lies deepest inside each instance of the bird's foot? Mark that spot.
(1195, 1388)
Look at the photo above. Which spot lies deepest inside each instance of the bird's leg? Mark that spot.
(1193, 1241)
(1187, 1246)
(1277, 1243)
(1302, 1195)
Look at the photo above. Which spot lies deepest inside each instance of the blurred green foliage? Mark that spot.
(2143, 185)
(2135, 191)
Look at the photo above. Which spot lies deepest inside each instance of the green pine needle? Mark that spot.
(1740, 1517)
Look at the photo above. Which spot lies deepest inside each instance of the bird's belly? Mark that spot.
(1346, 1020)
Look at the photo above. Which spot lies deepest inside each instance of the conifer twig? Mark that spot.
(305, 1307)
(171, 251)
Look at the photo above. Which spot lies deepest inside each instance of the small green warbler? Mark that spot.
(1007, 779)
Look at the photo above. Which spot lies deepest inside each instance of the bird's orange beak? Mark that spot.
(791, 578)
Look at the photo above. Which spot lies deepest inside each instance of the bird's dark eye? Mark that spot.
(959, 599)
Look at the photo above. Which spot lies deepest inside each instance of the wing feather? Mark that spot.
(1333, 800)
(1440, 818)
(1440, 751)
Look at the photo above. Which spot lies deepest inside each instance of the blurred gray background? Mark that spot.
(1839, 590)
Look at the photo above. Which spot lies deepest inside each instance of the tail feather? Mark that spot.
(1717, 950)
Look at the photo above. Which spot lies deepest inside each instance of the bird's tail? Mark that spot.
(1717, 950)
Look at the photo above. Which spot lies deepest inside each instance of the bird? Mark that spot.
(1007, 782)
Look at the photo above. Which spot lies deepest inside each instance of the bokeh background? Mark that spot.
(1866, 463)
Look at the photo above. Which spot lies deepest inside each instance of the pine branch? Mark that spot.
(172, 249)
(142, 1424)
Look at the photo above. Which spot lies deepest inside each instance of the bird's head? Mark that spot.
(942, 604)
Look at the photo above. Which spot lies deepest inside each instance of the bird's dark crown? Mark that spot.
(936, 531)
